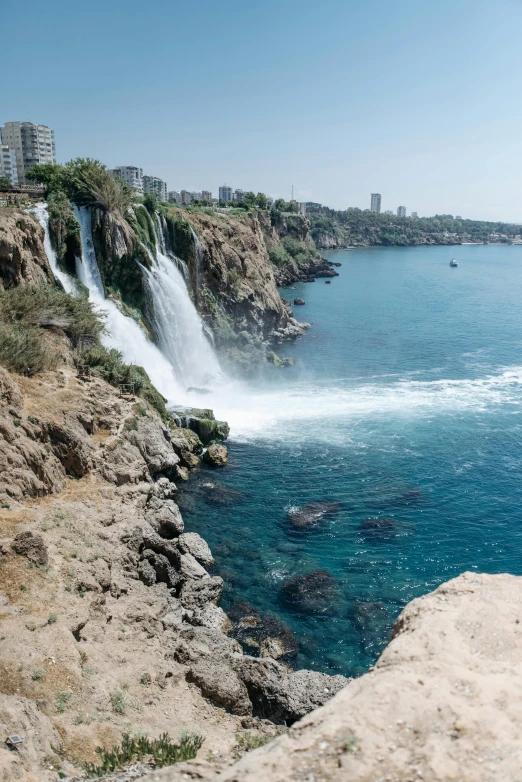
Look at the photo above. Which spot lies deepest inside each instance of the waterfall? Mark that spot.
(41, 214)
(184, 357)
(123, 333)
(199, 260)
(179, 328)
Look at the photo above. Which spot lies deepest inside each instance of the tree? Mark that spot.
(280, 205)
(150, 202)
(261, 201)
(4, 182)
(48, 174)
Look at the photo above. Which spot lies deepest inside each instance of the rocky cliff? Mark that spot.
(110, 615)
(22, 255)
(232, 281)
(291, 248)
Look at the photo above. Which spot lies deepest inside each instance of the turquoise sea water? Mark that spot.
(404, 403)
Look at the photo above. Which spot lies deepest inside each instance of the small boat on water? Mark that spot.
(453, 262)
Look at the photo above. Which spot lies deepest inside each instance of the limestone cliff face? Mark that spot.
(291, 248)
(233, 273)
(22, 255)
(233, 282)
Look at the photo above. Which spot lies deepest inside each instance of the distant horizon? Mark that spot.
(339, 101)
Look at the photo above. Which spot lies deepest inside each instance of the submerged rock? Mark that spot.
(217, 493)
(262, 631)
(307, 515)
(272, 647)
(378, 528)
(310, 593)
(215, 455)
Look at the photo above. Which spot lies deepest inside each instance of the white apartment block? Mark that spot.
(186, 197)
(238, 195)
(153, 185)
(174, 197)
(401, 211)
(32, 144)
(414, 214)
(225, 193)
(302, 207)
(8, 166)
(376, 203)
(206, 195)
(131, 175)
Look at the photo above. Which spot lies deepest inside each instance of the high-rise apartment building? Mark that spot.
(225, 193)
(174, 197)
(388, 212)
(206, 195)
(414, 214)
(401, 211)
(153, 185)
(32, 144)
(8, 167)
(131, 175)
(376, 203)
(238, 194)
(186, 197)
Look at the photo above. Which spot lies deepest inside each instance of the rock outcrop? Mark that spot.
(22, 255)
(233, 283)
(443, 702)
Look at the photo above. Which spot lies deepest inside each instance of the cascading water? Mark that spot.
(41, 214)
(199, 260)
(176, 321)
(124, 333)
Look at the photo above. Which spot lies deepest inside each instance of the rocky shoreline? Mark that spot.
(88, 487)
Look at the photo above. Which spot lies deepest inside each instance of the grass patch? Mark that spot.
(118, 702)
(246, 742)
(26, 311)
(159, 752)
(62, 701)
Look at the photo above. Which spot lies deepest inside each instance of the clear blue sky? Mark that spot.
(419, 101)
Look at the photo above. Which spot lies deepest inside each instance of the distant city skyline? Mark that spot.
(436, 140)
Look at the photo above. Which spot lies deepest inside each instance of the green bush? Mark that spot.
(162, 752)
(24, 346)
(64, 230)
(45, 306)
(108, 364)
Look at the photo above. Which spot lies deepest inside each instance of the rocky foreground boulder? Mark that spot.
(444, 701)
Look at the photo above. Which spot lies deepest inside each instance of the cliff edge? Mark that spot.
(442, 703)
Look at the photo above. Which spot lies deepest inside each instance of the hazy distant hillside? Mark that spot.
(330, 228)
